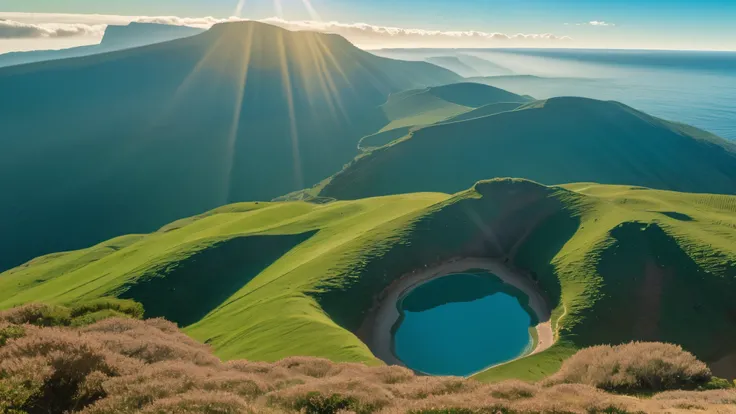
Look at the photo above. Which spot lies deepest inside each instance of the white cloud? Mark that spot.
(363, 33)
(31, 25)
(599, 23)
(10, 29)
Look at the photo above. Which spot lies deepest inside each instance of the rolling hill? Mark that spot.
(115, 38)
(556, 141)
(408, 110)
(244, 111)
(431, 105)
(264, 281)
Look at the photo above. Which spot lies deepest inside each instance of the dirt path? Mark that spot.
(376, 330)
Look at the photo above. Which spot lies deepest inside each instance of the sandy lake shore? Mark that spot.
(376, 329)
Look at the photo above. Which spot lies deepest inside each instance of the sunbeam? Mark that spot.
(287, 87)
(327, 84)
(239, 8)
(244, 64)
(311, 10)
(278, 8)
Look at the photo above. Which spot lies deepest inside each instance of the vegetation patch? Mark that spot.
(127, 365)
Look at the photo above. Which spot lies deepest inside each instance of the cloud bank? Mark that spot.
(48, 25)
(10, 29)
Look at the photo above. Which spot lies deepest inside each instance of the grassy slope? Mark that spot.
(112, 267)
(409, 110)
(310, 300)
(602, 301)
(435, 104)
(560, 140)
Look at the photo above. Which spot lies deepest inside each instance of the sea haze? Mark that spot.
(693, 87)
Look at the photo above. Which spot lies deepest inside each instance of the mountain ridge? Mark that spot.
(554, 141)
(245, 111)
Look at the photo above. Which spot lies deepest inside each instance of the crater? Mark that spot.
(459, 318)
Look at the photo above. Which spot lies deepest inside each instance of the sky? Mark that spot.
(620, 24)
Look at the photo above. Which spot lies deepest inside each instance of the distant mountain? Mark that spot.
(454, 64)
(556, 141)
(141, 34)
(484, 66)
(435, 104)
(461, 61)
(122, 142)
(115, 38)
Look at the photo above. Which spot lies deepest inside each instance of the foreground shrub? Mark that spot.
(123, 365)
(38, 314)
(81, 314)
(119, 306)
(316, 403)
(198, 402)
(10, 331)
(50, 366)
(634, 367)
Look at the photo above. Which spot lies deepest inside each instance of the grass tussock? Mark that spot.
(123, 365)
(635, 368)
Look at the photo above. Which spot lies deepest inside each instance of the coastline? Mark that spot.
(376, 330)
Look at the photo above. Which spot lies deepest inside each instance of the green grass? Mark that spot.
(269, 280)
(436, 104)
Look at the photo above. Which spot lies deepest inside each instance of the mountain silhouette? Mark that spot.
(116, 38)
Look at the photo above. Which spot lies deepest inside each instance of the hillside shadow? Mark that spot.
(676, 216)
(185, 291)
(653, 290)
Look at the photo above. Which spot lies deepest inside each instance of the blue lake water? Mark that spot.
(465, 336)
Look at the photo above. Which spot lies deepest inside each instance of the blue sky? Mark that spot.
(672, 24)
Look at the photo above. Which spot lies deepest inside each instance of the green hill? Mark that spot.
(421, 107)
(556, 141)
(244, 111)
(408, 110)
(264, 281)
(486, 110)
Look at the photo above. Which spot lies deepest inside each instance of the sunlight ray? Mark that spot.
(325, 51)
(287, 86)
(311, 10)
(242, 79)
(485, 229)
(187, 82)
(278, 8)
(327, 85)
(239, 8)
